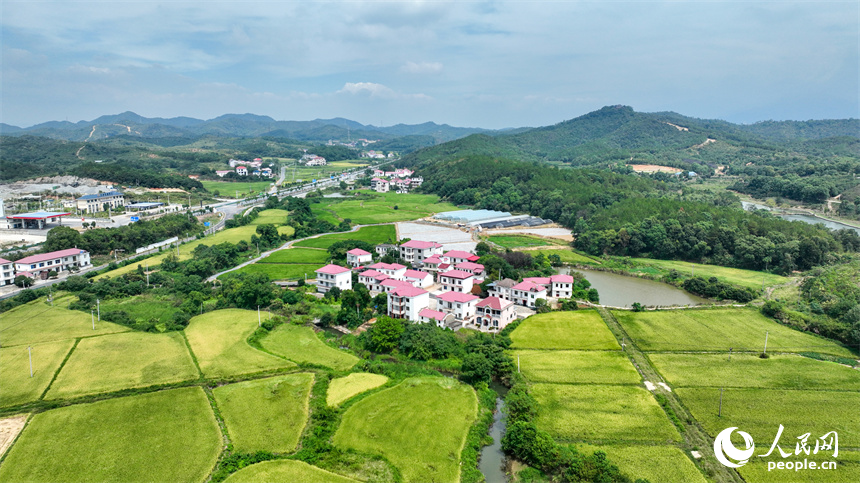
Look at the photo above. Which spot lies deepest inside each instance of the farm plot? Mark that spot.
(602, 413)
(718, 330)
(280, 271)
(16, 385)
(37, 321)
(371, 234)
(228, 189)
(781, 371)
(666, 464)
(161, 436)
(343, 388)
(271, 217)
(583, 330)
(523, 241)
(285, 470)
(737, 276)
(759, 412)
(123, 361)
(266, 414)
(381, 207)
(420, 425)
(589, 367)
(300, 344)
(567, 256)
(297, 255)
(219, 340)
(143, 307)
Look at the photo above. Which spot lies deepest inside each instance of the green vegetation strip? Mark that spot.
(297, 255)
(666, 464)
(162, 436)
(566, 256)
(749, 370)
(123, 361)
(420, 425)
(523, 241)
(219, 341)
(228, 189)
(719, 330)
(266, 414)
(737, 276)
(759, 412)
(16, 385)
(582, 330)
(37, 321)
(301, 344)
(281, 271)
(371, 234)
(343, 388)
(590, 367)
(287, 471)
(271, 217)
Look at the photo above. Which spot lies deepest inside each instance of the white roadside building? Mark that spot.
(331, 276)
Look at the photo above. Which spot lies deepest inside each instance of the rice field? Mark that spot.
(745, 278)
(576, 367)
(281, 271)
(523, 241)
(38, 321)
(229, 189)
(381, 208)
(285, 470)
(343, 388)
(301, 344)
(16, 385)
(297, 255)
(666, 464)
(371, 234)
(123, 361)
(266, 414)
(420, 425)
(581, 330)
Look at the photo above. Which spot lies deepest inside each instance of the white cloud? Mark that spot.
(421, 67)
(381, 91)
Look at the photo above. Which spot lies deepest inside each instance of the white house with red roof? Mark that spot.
(456, 281)
(462, 305)
(222, 173)
(40, 265)
(7, 272)
(373, 280)
(242, 170)
(558, 286)
(435, 264)
(494, 314)
(458, 256)
(393, 270)
(380, 185)
(526, 293)
(416, 251)
(418, 278)
(430, 316)
(357, 256)
(390, 284)
(331, 276)
(475, 269)
(407, 302)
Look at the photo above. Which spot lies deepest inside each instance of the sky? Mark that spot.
(474, 64)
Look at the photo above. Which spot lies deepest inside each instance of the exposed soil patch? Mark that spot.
(9, 429)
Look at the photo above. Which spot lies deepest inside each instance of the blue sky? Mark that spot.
(485, 64)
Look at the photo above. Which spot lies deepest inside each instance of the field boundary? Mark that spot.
(193, 355)
(57, 372)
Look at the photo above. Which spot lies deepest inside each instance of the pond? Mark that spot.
(622, 291)
(811, 219)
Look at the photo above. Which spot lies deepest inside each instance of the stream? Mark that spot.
(492, 462)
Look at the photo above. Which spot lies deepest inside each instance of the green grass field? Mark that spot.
(736, 276)
(666, 464)
(718, 330)
(280, 271)
(266, 414)
(16, 385)
(285, 470)
(371, 234)
(123, 361)
(567, 256)
(847, 469)
(420, 425)
(583, 329)
(589, 367)
(781, 371)
(271, 217)
(143, 307)
(523, 241)
(227, 189)
(759, 412)
(219, 341)
(161, 436)
(37, 321)
(381, 208)
(300, 344)
(297, 255)
(601, 413)
(343, 388)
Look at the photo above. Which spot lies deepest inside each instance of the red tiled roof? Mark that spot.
(358, 251)
(432, 314)
(3, 260)
(494, 303)
(461, 254)
(528, 287)
(370, 273)
(50, 256)
(561, 278)
(416, 274)
(432, 260)
(332, 269)
(386, 266)
(456, 274)
(537, 280)
(409, 291)
(457, 297)
(469, 266)
(420, 244)
(393, 282)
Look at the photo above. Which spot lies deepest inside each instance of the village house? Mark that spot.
(456, 281)
(380, 185)
(393, 270)
(494, 314)
(502, 288)
(407, 302)
(242, 170)
(475, 269)
(71, 259)
(357, 257)
(331, 276)
(222, 173)
(7, 272)
(390, 284)
(418, 278)
(373, 280)
(383, 248)
(527, 293)
(435, 264)
(416, 251)
(462, 305)
(458, 256)
(441, 319)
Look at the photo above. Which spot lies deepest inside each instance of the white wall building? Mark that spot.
(416, 251)
(357, 256)
(331, 276)
(7, 272)
(430, 316)
(407, 302)
(456, 281)
(494, 314)
(393, 270)
(527, 293)
(40, 265)
(462, 305)
(418, 278)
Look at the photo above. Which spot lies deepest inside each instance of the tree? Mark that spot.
(476, 368)
(23, 281)
(385, 334)
(61, 238)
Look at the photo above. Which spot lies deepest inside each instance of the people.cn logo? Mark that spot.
(724, 448)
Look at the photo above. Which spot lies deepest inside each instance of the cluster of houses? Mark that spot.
(399, 180)
(376, 155)
(38, 266)
(313, 160)
(453, 277)
(245, 168)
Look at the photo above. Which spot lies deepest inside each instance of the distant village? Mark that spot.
(241, 168)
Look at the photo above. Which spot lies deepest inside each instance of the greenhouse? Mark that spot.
(471, 216)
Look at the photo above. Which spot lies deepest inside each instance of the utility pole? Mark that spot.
(99, 309)
(93, 318)
(720, 413)
(766, 333)
(259, 320)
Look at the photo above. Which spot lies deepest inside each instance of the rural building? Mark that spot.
(494, 314)
(393, 270)
(416, 251)
(357, 256)
(462, 305)
(7, 272)
(457, 281)
(407, 302)
(372, 280)
(391, 284)
(418, 278)
(435, 264)
(475, 269)
(558, 286)
(222, 173)
(458, 256)
(380, 185)
(502, 288)
(71, 259)
(331, 276)
(242, 170)
(382, 248)
(527, 293)
(430, 316)
(99, 202)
